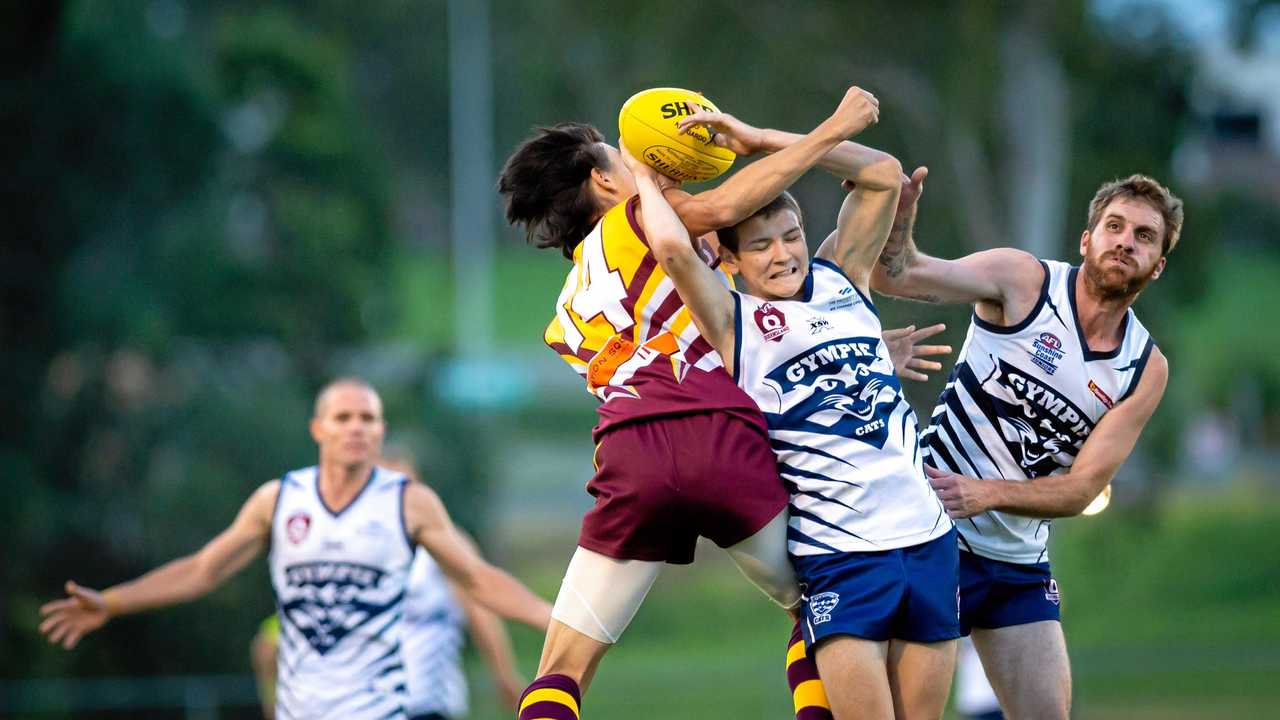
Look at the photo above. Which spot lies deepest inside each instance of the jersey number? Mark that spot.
(600, 293)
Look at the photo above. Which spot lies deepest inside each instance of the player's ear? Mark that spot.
(314, 427)
(729, 259)
(1159, 268)
(1085, 237)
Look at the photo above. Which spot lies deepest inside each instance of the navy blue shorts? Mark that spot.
(996, 594)
(904, 594)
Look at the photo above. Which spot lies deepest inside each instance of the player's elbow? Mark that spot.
(884, 173)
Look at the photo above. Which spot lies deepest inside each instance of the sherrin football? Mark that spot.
(649, 126)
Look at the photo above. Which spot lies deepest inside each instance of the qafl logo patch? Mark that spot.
(1101, 395)
(772, 323)
(297, 527)
(1046, 351)
(821, 605)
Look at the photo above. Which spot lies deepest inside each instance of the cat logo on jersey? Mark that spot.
(297, 527)
(772, 323)
(324, 607)
(844, 389)
(1042, 429)
(821, 606)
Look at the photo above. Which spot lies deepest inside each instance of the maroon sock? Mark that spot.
(553, 697)
(802, 677)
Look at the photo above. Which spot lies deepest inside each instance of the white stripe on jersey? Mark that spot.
(845, 437)
(339, 581)
(432, 642)
(1020, 403)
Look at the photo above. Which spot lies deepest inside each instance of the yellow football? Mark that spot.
(648, 126)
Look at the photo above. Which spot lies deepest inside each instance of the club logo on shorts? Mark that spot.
(821, 606)
(1046, 351)
(297, 527)
(1051, 591)
(771, 322)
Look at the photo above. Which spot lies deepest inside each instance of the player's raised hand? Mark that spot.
(908, 354)
(639, 168)
(727, 131)
(912, 189)
(80, 613)
(858, 110)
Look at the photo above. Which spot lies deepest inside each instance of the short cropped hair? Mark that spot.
(545, 183)
(349, 381)
(1142, 187)
(729, 236)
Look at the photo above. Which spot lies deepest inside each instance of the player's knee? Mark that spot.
(600, 595)
(763, 559)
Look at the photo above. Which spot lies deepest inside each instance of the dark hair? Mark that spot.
(545, 182)
(1141, 187)
(729, 236)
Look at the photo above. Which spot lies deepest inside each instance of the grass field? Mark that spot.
(1175, 617)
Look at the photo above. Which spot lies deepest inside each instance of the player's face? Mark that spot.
(1123, 252)
(349, 427)
(773, 258)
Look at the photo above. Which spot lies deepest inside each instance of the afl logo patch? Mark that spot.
(297, 527)
(772, 323)
(1046, 351)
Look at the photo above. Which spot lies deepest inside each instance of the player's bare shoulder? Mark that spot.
(1019, 280)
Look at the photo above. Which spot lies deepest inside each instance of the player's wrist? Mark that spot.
(112, 603)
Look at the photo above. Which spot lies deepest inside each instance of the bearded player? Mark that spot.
(681, 451)
(1052, 388)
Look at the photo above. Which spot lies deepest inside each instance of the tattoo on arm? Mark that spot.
(899, 249)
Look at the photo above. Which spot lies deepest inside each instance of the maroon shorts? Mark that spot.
(661, 483)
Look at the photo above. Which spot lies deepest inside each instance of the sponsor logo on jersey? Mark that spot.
(772, 323)
(1043, 429)
(841, 387)
(1046, 351)
(818, 326)
(297, 527)
(1101, 395)
(842, 300)
(821, 606)
(1051, 591)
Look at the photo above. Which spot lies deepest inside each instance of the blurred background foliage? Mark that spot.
(216, 206)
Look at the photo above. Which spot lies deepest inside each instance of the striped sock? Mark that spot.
(802, 676)
(551, 697)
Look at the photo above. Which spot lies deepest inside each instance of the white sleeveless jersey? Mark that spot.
(1020, 403)
(845, 437)
(339, 581)
(432, 642)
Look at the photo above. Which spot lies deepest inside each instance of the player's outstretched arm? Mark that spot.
(492, 641)
(755, 185)
(429, 525)
(707, 298)
(1068, 494)
(998, 276)
(182, 580)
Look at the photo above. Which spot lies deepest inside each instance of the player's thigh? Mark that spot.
(855, 676)
(598, 598)
(1029, 669)
(920, 678)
